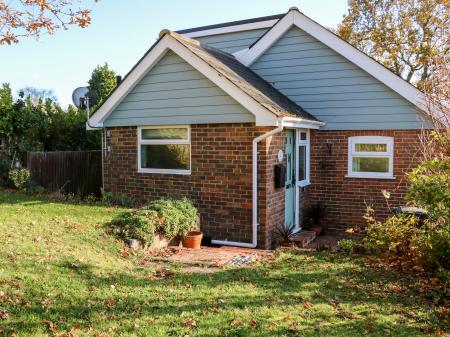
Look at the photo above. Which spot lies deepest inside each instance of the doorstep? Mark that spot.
(303, 238)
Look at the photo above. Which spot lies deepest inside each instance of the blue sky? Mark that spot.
(121, 32)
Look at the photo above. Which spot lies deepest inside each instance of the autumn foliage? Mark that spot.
(24, 18)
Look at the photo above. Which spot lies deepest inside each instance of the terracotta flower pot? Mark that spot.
(193, 240)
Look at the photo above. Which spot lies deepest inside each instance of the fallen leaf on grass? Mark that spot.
(307, 304)
(190, 323)
(4, 315)
(50, 325)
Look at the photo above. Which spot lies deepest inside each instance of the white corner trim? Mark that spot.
(262, 115)
(295, 18)
(232, 29)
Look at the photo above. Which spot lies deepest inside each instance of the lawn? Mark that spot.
(62, 275)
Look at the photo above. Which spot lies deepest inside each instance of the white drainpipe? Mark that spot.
(255, 194)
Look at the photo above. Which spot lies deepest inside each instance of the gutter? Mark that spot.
(255, 223)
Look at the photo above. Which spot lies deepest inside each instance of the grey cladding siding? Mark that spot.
(232, 42)
(332, 88)
(173, 92)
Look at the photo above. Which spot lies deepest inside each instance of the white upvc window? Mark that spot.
(164, 149)
(371, 157)
(303, 153)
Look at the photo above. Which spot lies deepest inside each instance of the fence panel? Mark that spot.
(78, 172)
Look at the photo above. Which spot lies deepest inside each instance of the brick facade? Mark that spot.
(346, 198)
(220, 183)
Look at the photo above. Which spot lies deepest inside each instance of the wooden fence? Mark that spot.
(78, 172)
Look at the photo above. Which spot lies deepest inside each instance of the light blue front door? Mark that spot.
(289, 208)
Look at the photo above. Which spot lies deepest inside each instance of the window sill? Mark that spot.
(369, 177)
(163, 171)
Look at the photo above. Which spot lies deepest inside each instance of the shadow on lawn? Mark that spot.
(135, 297)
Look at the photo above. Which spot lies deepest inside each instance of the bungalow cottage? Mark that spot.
(210, 113)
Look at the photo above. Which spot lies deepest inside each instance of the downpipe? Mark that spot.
(255, 223)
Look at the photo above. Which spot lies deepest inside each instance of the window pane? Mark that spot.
(301, 163)
(302, 135)
(170, 133)
(380, 165)
(371, 147)
(169, 156)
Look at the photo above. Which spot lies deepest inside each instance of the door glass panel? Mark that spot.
(301, 162)
(303, 135)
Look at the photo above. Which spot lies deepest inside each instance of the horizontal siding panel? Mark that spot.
(177, 85)
(173, 77)
(353, 103)
(320, 75)
(361, 113)
(368, 118)
(300, 54)
(300, 61)
(178, 102)
(177, 111)
(202, 119)
(303, 90)
(332, 88)
(362, 125)
(307, 68)
(173, 92)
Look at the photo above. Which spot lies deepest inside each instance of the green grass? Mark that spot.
(60, 272)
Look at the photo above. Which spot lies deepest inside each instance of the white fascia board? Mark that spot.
(299, 122)
(262, 115)
(232, 29)
(295, 18)
(266, 41)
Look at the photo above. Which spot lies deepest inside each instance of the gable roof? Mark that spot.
(295, 18)
(240, 82)
(246, 79)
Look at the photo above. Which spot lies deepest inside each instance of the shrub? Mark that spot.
(168, 217)
(138, 224)
(178, 216)
(20, 178)
(119, 199)
(347, 246)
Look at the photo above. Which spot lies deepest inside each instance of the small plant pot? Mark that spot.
(193, 240)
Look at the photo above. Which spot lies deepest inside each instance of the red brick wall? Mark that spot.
(220, 184)
(346, 198)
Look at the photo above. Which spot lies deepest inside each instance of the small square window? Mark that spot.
(370, 157)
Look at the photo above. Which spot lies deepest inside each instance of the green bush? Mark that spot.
(168, 217)
(347, 246)
(20, 178)
(138, 224)
(178, 216)
(423, 242)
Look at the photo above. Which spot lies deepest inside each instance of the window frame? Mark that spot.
(306, 143)
(389, 153)
(141, 141)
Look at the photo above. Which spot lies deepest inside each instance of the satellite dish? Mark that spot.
(84, 97)
(78, 96)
